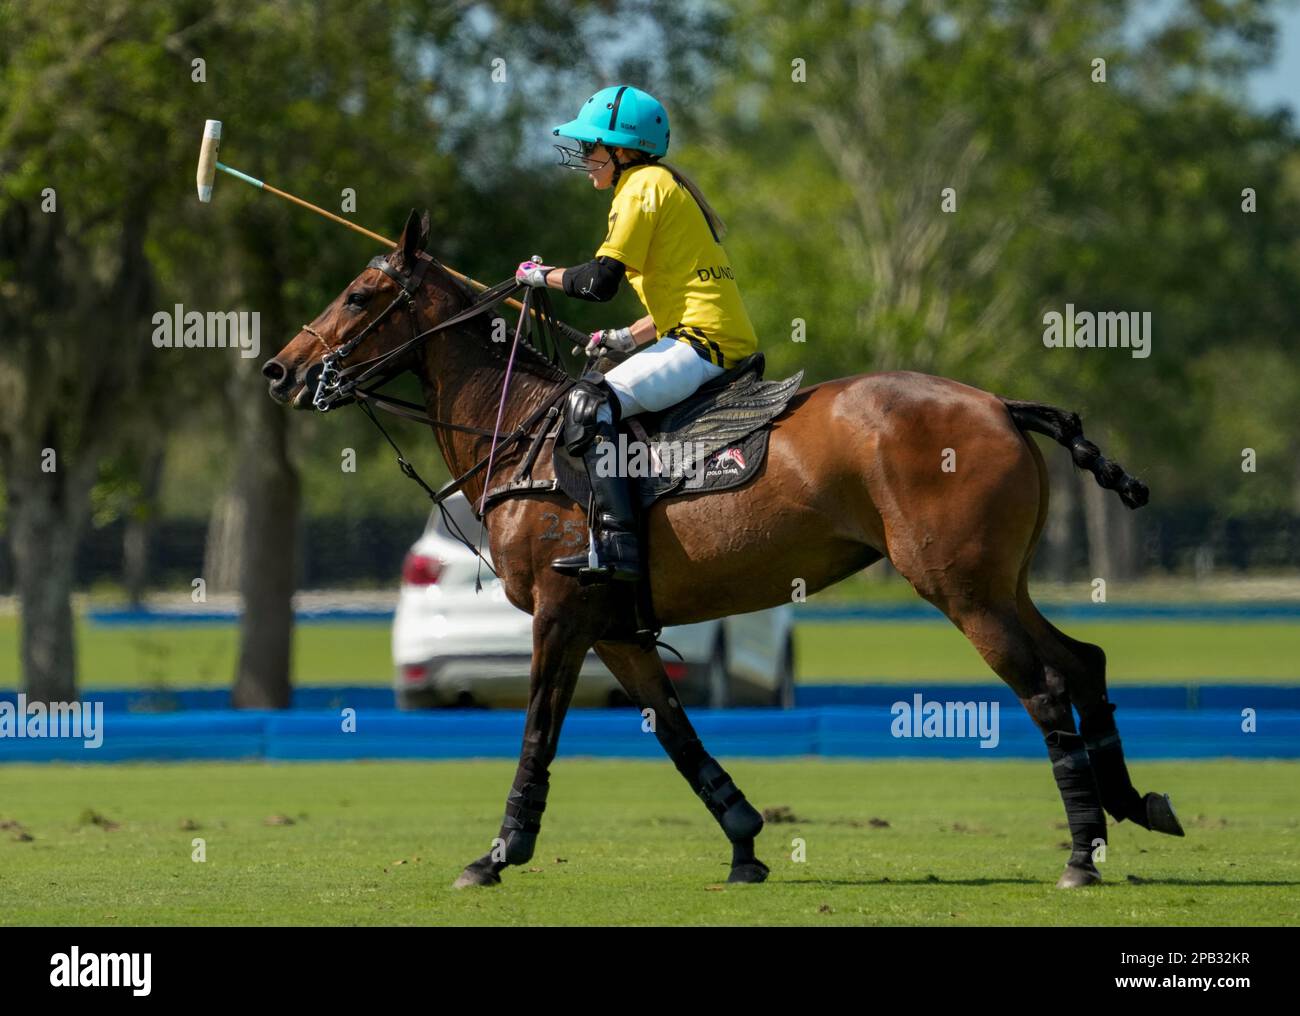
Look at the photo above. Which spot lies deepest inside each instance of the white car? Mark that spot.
(455, 647)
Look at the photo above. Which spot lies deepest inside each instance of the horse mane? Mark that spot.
(528, 358)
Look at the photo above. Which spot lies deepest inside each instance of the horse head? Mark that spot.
(374, 315)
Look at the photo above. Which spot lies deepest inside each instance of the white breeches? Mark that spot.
(659, 376)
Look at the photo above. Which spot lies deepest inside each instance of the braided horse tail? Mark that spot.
(1067, 429)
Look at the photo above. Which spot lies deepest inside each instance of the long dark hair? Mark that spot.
(715, 220)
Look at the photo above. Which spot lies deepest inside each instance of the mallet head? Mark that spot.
(208, 159)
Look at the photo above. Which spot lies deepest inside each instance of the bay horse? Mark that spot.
(939, 477)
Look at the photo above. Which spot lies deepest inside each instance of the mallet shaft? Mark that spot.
(329, 215)
(263, 185)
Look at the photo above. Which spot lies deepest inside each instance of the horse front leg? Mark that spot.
(559, 647)
(641, 673)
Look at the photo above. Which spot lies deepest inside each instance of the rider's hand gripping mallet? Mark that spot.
(207, 173)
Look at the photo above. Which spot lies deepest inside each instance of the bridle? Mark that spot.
(331, 379)
(340, 383)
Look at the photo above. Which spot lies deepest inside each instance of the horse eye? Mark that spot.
(358, 299)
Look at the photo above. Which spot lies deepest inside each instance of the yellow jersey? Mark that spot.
(680, 271)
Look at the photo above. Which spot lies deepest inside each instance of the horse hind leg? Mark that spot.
(1009, 649)
(1084, 666)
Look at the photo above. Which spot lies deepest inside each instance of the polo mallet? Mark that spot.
(207, 173)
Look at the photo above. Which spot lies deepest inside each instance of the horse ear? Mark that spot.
(414, 234)
(424, 229)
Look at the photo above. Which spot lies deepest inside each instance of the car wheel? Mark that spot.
(717, 679)
(422, 698)
(618, 699)
(783, 696)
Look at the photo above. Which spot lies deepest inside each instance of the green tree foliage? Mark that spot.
(831, 142)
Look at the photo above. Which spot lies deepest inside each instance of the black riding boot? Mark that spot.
(613, 522)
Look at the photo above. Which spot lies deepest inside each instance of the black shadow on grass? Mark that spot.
(1112, 881)
(909, 881)
(1207, 882)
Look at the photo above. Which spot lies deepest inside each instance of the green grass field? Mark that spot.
(967, 843)
(1136, 652)
(203, 656)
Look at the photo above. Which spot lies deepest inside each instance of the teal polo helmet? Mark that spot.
(620, 116)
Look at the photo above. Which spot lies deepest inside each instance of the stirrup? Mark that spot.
(580, 567)
(612, 566)
(607, 573)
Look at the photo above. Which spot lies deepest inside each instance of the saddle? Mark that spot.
(712, 441)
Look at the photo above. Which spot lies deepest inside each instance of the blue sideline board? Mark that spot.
(911, 610)
(830, 721)
(372, 697)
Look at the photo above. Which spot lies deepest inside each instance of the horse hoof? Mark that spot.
(475, 875)
(1076, 877)
(749, 871)
(1161, 817)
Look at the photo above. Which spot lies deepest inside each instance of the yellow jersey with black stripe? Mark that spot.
(679, 269)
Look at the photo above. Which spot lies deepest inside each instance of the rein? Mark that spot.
(338, 383)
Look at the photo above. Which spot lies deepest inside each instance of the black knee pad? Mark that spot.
(582, 406)
(523, 820)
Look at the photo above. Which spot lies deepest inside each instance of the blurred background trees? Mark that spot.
(825, 133)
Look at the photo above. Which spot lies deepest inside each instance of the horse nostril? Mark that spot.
(273, 370)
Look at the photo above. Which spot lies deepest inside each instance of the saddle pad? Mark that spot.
(712, 441)
(727, 468)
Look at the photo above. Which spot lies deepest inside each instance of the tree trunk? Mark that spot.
(6, 564)
(1112, 534)
(1061, 532)
(266, 486)
(1295, 490)
(224, 542)
(138, 532)
(46, 514)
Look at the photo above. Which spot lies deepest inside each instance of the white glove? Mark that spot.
(618, 339)
(532, 274)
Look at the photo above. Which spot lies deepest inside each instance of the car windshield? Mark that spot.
(461, 515)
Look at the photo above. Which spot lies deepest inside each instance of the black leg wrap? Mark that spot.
(686, 757)
(738, 818)
(1078, 786)
(742, 852)
(1106, 753)
(523, 820)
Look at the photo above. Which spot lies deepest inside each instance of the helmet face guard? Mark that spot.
(582, 158)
